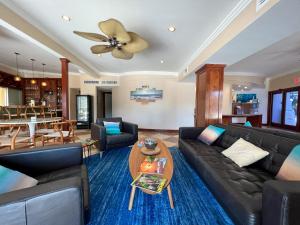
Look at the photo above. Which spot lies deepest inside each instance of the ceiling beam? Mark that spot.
(239, 18)
(41, 39)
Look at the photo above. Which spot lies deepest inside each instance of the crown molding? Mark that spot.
(136, 73)
(245, 74)
(233, 14)
(290, 72)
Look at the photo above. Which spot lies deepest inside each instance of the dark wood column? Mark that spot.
(65, 87)
(209, 94)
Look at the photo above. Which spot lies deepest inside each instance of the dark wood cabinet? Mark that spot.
(209, 94)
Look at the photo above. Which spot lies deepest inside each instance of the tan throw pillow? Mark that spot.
(290, 169)
(244, 153)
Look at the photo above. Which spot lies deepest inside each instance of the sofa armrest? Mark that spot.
(190, 132)
(37, 161)
(58, 202)
(281, 202)
(130, 128)
(98, 133)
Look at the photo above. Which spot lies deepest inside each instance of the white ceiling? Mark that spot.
(279, 58)
(10, 43)
(195, 20)
(268, 47)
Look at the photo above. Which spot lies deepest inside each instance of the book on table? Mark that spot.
(151, 182)
(153, 165)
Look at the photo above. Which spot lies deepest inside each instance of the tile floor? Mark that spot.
(169, 138)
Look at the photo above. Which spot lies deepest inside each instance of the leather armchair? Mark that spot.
(62, 194)
(128, 136)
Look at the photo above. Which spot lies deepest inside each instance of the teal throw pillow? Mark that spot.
(290, 169)
(112, 128)
(211, 134)
(247, 124)
(11, 180)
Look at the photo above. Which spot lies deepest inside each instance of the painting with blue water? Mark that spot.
(245, 97)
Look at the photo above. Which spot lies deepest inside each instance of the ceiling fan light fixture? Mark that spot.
(66, 18)
(121, 43)
(172, 28)
(162, 61)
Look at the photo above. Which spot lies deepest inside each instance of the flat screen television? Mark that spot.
(245, 97)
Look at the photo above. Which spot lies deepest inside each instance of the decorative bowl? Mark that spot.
(150, 143)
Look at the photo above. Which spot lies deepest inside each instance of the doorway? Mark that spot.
(104, 103)
(284, 108)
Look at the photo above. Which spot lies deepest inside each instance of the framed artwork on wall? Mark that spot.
(146, 94)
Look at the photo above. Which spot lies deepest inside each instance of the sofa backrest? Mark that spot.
(279, 146)
(113, 119)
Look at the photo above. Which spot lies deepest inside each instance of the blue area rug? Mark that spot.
(110, 190)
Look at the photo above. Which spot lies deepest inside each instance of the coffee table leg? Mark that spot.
(131, 197)
(170, 196)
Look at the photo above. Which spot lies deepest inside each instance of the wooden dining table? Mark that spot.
(30, 122)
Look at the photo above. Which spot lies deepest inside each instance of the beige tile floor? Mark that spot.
(169, 138)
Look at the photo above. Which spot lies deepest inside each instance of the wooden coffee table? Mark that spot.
(136, 157)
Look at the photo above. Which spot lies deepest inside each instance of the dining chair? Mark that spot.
(30, 112)
(3, 113)
(59, 134)
(16, 135)
(49, 111)
(23, 111)
(12, 112)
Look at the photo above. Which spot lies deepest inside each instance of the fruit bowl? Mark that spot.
(150, 143)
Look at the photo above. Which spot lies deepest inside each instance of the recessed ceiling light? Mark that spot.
(172, 28)
(98, 55)
(246, 87)
(162, 61)
(66, 18)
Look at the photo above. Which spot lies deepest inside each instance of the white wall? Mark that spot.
(175, 109)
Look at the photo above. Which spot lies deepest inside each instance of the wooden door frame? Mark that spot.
(270, 104)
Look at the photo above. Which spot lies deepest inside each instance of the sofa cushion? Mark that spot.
(278, 147)
(210, 134)
(112, 127)
(121, 138)
(244, 153)
(75, 171)
(11, 180)
(290, 170)
(114, 119)
(239, 190)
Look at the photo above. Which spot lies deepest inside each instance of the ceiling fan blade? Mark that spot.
(91, 36)
(113, 28)
(98, 49)
(136, 44)
(121, 54)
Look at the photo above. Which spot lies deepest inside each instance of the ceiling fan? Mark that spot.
(118, 41)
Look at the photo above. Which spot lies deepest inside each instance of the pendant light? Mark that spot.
(44, 83)
(32, 81)
(17, 77)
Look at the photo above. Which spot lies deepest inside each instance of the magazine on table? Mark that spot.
(150, 182)
(153, 165)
